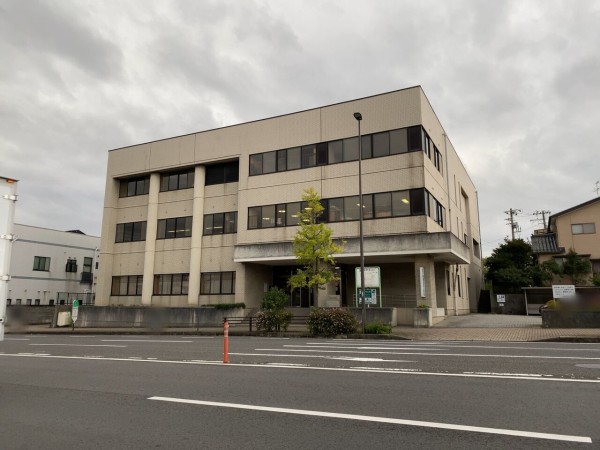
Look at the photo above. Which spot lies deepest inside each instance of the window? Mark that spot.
(171, 284)
(352, 208)
(37, 302)
(367, 151)
(71, 265)
(335, 152)
(256, 164)
(381, 144)
(134, 186)
(294, 158)
(292, 211)
(131, 232)
(126, 285)
(583, 228)
(398, 141)
(281, 160)
(87, 264)
(217, 283)
(268, 216)
(417, 202)
(414, 138)
(177, 180)
(336, 209)
(476, 249)
(41, 263)
(220, 223)
(351, 149)
(383, 204)
(177, 227)
(8, 301)
(309, 156)
(322, 154)
(28, 302)
(401, 203)
(269, 162)
(222, 173)
(437, 160)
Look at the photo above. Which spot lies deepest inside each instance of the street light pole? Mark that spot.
(358, 117)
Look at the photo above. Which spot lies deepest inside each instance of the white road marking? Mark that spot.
(82, 336)
(588, 366)
(360, 348)
(427, 354)
(83, 345)
(282, 366)
(402, 346)
(413, 423)
(16, 339)
(144, 340)
(200, 337)
(279, 355)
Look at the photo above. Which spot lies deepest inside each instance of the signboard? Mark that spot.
(563, 290)
(501, 299)
(372, 277)
(370, 296)
(75, 310)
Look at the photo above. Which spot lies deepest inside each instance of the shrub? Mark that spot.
(331, 322)
(227, 306)
(273, 320)
(378, 328)
(423, 306)
(275, 299)
(551, 304)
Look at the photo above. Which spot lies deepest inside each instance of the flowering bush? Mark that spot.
(331, 321)
(273, 320)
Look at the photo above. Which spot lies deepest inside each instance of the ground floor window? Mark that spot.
(171, 284)
(124, 285)
(217, 283)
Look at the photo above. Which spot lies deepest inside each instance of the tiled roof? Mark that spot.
(545, 243)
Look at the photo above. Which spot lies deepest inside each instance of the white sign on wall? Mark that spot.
(501, 298)
(372, 277)
(563, 290)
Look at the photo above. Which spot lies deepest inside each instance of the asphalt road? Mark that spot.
(174, 392)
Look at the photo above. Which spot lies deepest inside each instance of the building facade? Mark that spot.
(577, 229)
(48, 267)
(209, 217)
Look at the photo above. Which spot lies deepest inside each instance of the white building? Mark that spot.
(46, 265)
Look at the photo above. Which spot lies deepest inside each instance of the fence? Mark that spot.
(85, 298)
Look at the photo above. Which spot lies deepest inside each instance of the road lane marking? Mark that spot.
(588, 366)
(427, 354)
(360, 348)
(283, 366)
(145, 340)
(83, 345)
(16, 339)
(402, 346)
(413, 423)
(279, 355)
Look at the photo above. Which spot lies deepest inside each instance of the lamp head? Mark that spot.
(358, 116)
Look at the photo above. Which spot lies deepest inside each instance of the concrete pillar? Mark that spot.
(425, 281)
(197, 231)
(104, 283)
(149, 253)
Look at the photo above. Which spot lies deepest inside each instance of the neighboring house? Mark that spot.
(576, 229)
(209, 217)
(45, 263)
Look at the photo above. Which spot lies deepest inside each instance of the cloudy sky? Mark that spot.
(516, 85)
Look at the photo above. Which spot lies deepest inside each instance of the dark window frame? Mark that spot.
(135, 281)
(71, 266)
(209, 280)
(172, 280)
(41, 263)
(224, 217)
(178, 227)
(132, 187)
(127, 232)
(175, 181)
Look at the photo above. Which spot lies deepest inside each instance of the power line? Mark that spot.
(542, 220)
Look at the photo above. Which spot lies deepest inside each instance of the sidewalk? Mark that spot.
(474, 327)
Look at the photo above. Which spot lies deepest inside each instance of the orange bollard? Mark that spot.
(225, 341)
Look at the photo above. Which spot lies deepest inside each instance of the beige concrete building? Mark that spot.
(576, 229)
(209, 217)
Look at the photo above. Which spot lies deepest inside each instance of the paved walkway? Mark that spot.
(473, 327)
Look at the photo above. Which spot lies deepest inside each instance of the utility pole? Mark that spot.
(597, 188)
(514, 226)
(543, 219)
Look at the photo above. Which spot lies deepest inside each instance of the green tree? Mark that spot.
(575, 267)
(272, 316)
(313, 247)
(510, 266)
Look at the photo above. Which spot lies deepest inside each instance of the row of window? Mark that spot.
(174, 284)
(375, 145)
(220, 223)
(583, 228)
(215, 174)
(42, 264)
(131, 232)
(175, 227)
(411, 202)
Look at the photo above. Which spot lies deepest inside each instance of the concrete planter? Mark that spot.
(422, 317)
(560, 318)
